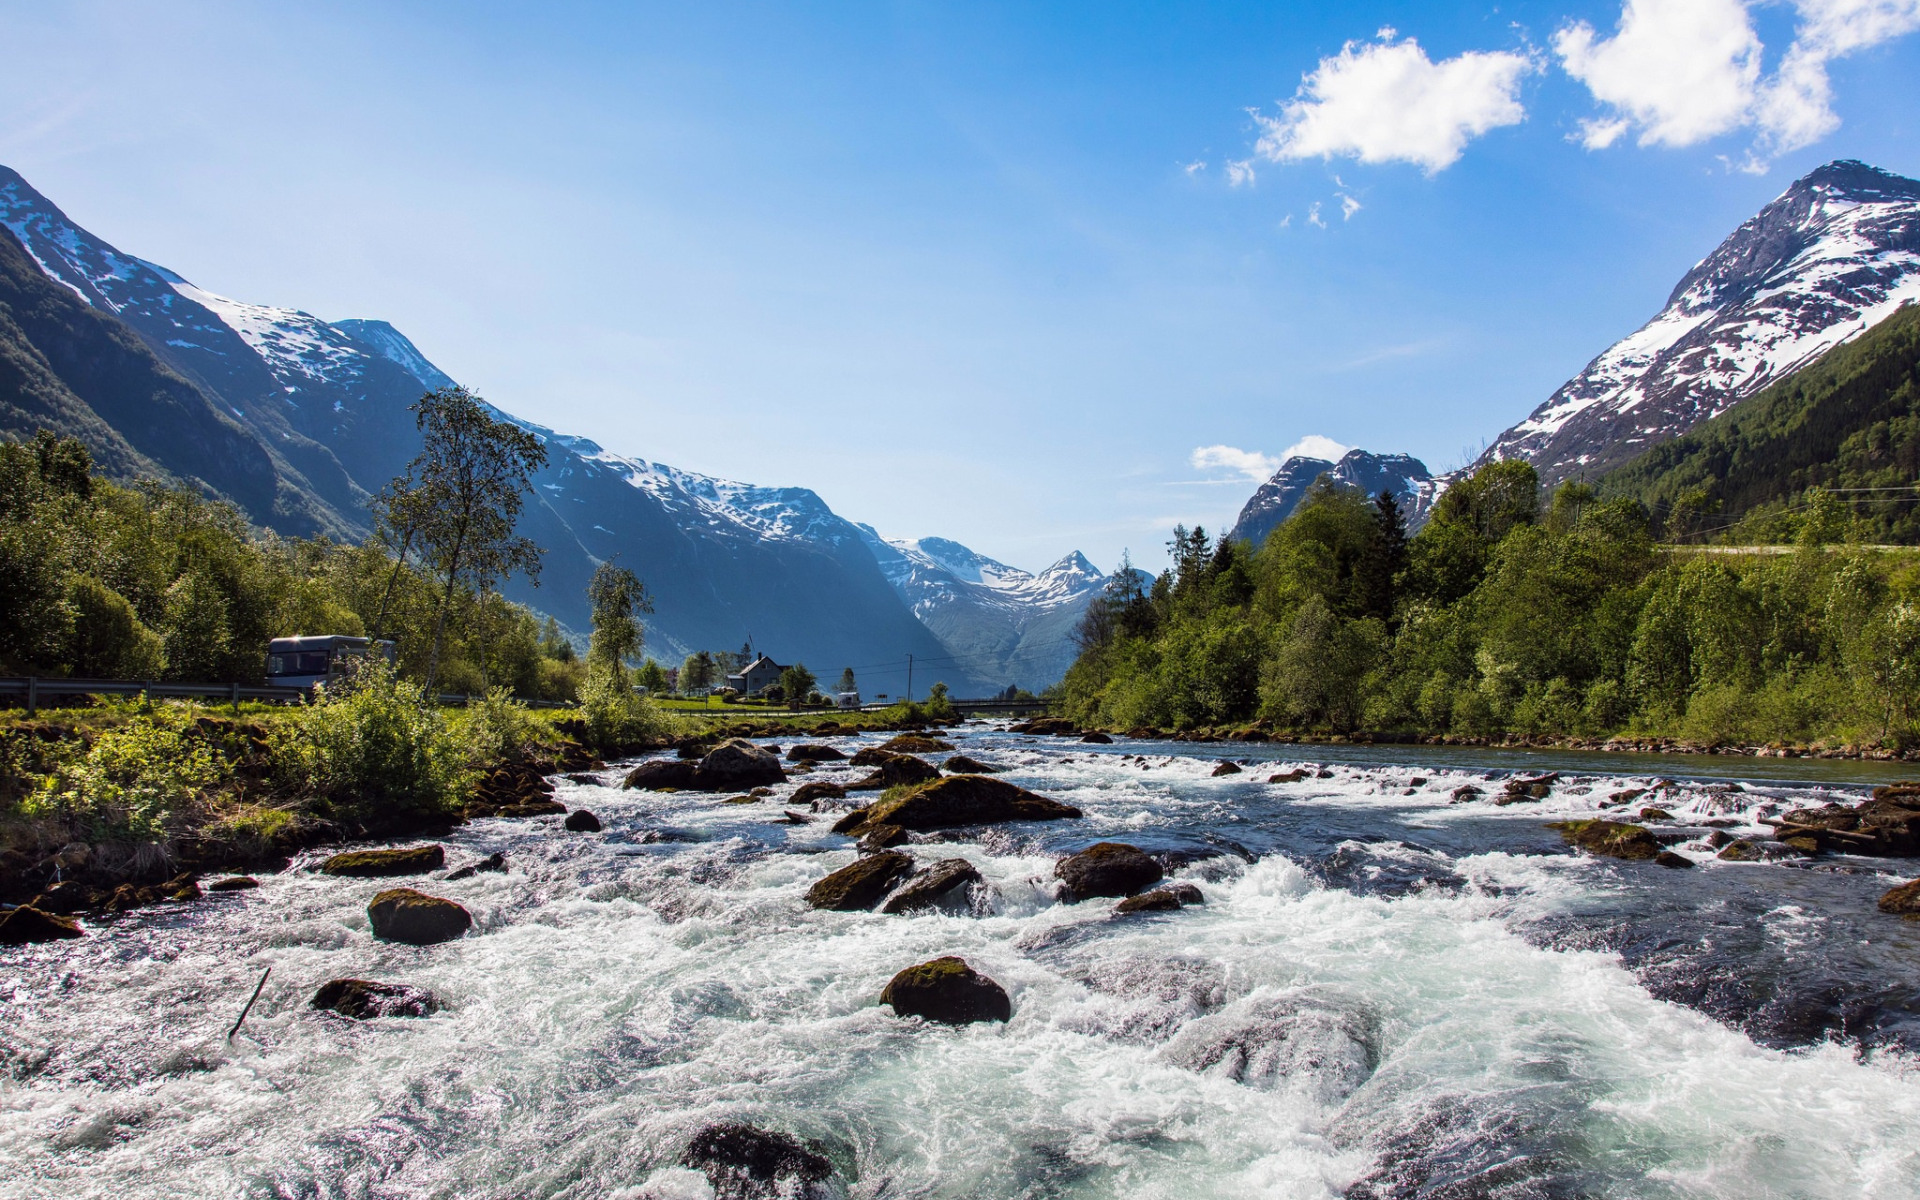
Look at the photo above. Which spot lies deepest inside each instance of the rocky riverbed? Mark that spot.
(1379, 976)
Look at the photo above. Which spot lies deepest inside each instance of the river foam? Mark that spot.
(1411, 1019)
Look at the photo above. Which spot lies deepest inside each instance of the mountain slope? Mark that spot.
(1850, 421)
(1834, 255)
(997, 622)
(1403, 475)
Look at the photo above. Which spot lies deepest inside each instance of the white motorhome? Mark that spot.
(303, 662)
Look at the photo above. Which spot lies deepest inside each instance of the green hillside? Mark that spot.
(1849, 424)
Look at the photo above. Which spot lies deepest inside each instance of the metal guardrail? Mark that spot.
(36, 688)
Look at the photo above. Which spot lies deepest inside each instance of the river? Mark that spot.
(1386, 994)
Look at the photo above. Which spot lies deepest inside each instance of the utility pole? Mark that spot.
(909, 679)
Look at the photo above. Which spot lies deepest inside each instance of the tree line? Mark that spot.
(1507, 614)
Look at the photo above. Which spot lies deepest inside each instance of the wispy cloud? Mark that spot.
(1386, 101)
(1348, 207)
(1250, 463)
(1239, 172)
(1313, 215)
(1388, 353)
(1194, 167)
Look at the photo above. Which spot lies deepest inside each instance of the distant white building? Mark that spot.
(756, 676)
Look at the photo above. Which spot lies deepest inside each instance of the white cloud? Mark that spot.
(1239, 172)
(1313, 215)
(1194, 167)
(1286, 221)
(1315, 446)
(1386, 101)
(1684, 71)
(1251, 463)
(1348, 207)
(1681, 71)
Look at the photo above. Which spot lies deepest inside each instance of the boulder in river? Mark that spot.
(582, 821)
(954, 801)
(492, 862)
(363, 999)
(1226, 768)
(897, 770)
(1162, 899)
(734, 765)
(1903, 901)
(745, 1163)
(1046, 727)
(1739, 850)
(1096, 738)
(883, 837)
(961, 764)
(1672, 861)
(376, 864)
(405, 915)
(862, 883)
(933, 886)
(1886, 826)
(68, 897)
(234, 883)
(813, 793)
(949, 991)
(27, 925)
(1615, 839)
(808, 753)
(915, 743)
(1107, 869)
(661, 774)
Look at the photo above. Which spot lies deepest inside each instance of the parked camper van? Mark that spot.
(304, 661)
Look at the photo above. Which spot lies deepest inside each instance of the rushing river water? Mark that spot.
(1385, 995)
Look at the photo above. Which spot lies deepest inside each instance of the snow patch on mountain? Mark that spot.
(389, 343)
(297, 347)
(1406, 477)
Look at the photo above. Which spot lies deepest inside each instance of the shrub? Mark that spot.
(139, 781)
(497, 728)
(616, 718)
(373, 751)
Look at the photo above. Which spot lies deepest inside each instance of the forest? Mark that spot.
(1513, 615)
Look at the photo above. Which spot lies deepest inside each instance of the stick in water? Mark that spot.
(249, 1007)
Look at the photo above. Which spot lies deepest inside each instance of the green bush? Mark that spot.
(616, 718)
(497, 728)
(373, 751)
(143, 780)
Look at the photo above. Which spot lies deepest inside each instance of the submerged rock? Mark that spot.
(405, 915)
(492, 862)
(861, 884)
(582, 821)
(1903, 901)
(1672, 861)
(933, 886)
(954, 801)
(961, 764)
(1319, 1044)
(745, 1163)
(27, 925)
(949, 991)
(373, 864)
(897, 770)
(1615, 839)
(1165, 899)
(1107, 869)
(363, 999)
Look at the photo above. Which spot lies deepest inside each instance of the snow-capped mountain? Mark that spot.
(1401, 474)
(1837, 253)
(994, 620)
(328, 405)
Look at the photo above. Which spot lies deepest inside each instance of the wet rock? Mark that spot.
(492, 862)
(1627, 797)
(1886, 826)
(961, 764)
(1107, 869)
(1466, 792)
(1615, 839)
(182, 888)
(1536, 787)
(932, 886)
(375, 864)
(745, 1163)
(583, 778)
(1903, 900)
(129, 896)
(1096, 738)
(913, 743)
(363, 999)
(68, 897)
(1226, 768)
(1314, 1042)
(813, 793)
(28, 925)
(1655, 814)
(1045, 727)
(661, 774)
(791, 817)
(1323, 773)
(1740, 850)
(1418, 781)
(533, 808)
(582, 821)
(234, 883)
(1293, 776)
(954, 801)
(883, 837)
(862, 884)
(405, 915)
(869, 756)
(734, 765)
(1672, 861)
(949, 991)
(1388, 868)
(897, 770)
(809, 753)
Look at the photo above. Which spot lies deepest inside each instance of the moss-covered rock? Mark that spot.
(915, 743)
(376, 864)
(1614, 839)
(1903, 901)
(955, 801)
(1107, 869)
(234, 883)
(405, 915)
(896, 770)
(949, 991)
(363, 999)
(27, 925)
(861, 884)
(962, 764)
(1740, 850)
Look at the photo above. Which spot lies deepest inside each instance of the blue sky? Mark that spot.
(987, 272)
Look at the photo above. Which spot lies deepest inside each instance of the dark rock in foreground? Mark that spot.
(897, 770)
(933, 886)
(883, 837)
(27, 925)
(861, 884)
(373, 864)
(733, 766)
(363, 999)
(955, 801)
(949, 991)
(68, 897)
(744, 1163)
(404, 915)
(1615, 839)
(1107, 869)
(582, 821)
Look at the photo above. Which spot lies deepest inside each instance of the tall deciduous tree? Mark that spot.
(618, 599)
(474, 473)
(696, 673)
